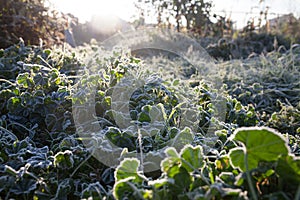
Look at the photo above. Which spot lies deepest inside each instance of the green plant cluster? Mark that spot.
(43, 157)
(271, 85)
(257, 155)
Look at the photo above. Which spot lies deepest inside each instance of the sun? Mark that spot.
(85, 9)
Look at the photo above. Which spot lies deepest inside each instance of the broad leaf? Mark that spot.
(183, 138)
(172, 159)
(192, 158)
(125, 189)
(25, 80)
(128, 168)
(237, 159)
(41, 80)
(259, 144)
(171, 152)
(182, 179)
(289, 169)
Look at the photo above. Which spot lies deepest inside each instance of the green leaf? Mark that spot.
(120, 139)
(47, 51)
(173, 170)
(259, 144)
(237, 159)
(179, 179)
(125, 189)
(227, 177)
(157, 113)
(176, 82)
(25, 80)
(41, 80)
(171, 152)
(289, 169)
(128, 168)
(222, 163)
(13, 103)
(172, 159)
(144, 117)
(182, 179)
(7, 93)
(192, 158)
(64, 160)
(183, 138)
(158, 183)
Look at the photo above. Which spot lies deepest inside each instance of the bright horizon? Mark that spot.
(84, 10)
(239, 10)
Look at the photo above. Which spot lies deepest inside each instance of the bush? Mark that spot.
(30, 20)
(248, 45)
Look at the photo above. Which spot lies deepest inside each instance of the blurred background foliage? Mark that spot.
(193, 16)
(30, 20)
(39, 24)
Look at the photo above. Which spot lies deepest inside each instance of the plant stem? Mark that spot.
(30, 131)
(141, 148)
(82, 164)
(7, 81)
(40, 57)
(252, 190)
(136, 190)
(297, 196)
(10, 133)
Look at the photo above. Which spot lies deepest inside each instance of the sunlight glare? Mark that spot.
(85, 9)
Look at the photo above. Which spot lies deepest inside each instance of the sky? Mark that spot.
(240, 11)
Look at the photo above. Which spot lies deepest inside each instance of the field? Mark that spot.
(230, 130)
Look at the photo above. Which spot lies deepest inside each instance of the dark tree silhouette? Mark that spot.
(192, 14)
(30, 20)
